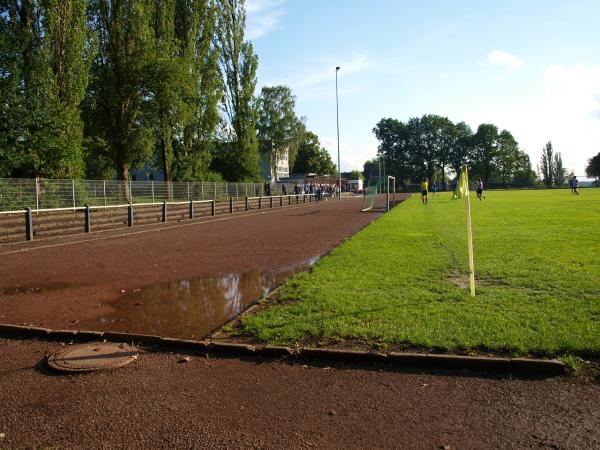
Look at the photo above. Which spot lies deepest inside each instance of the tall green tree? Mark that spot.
(168, 81)
(523, 175)
(593, 167)
(547, 164)
(460, 146)
(559, 173)
(238, 64)
(485, 152)
(507, 157)
(43, 75)
(116, 110)
(371, 168)
(393, 147)
(196, 25)
(277, 124)
(313, 158)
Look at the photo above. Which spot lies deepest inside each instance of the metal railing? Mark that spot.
(260, 202)
(17, 194)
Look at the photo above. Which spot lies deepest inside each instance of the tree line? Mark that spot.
(95, 88)
(433, 146)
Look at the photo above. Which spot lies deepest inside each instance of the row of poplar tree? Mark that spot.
(97, 87)
(433, 146)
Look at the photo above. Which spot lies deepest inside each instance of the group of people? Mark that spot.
(435, 189)
(320, 190)
(573, 184)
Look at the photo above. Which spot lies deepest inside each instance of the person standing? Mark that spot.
(479, 189)
(571, 185)
(424, 189)
(574, 185)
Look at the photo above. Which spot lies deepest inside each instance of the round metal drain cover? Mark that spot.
(92, 357)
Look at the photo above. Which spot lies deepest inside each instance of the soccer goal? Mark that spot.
(379, 185)
(372, 191)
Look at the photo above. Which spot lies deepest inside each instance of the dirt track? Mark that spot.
(158, 402)
(70, 286)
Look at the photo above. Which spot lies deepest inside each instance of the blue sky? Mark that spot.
(531, 67)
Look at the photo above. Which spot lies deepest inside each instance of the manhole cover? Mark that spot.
(92, 357)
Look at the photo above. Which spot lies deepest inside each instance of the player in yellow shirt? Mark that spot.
(424, 189)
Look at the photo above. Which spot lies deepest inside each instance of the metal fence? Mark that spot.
(39, 194)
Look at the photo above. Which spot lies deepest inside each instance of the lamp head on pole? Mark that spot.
(337, 68)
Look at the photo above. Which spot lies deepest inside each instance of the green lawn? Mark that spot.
(398, 282)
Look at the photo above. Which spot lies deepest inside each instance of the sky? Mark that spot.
(531, 67)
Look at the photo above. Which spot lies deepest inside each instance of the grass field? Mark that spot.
(401, 282)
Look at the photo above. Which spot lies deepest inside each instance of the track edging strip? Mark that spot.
(547, 367)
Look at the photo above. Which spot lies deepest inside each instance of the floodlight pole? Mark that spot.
(337, 115)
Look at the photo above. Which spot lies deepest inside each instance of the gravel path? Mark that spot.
(158, 402)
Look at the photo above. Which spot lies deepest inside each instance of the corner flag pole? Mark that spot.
(470, 236)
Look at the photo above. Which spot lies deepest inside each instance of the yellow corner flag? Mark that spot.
(462, 190)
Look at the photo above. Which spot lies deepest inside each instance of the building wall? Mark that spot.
(283, 167)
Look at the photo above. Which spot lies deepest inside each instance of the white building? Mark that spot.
(283, 167)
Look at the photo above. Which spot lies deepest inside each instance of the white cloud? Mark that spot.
(564, 110)
(510, 62)
(263, 17)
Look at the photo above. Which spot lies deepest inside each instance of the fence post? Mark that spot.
(303, 198)
(213, 207)
(130, 215)
(37, 193)
(104, 190)
(289, 200)
(297, 199)
(73, 185)
(259, 202)
(88, 218)
(280, 201)
(28, 224)
(191, 209)
(152, 191)
(164, 211)
(309, 198)
(130, 192)
(246, 203)
(271, 201)
(230, 205)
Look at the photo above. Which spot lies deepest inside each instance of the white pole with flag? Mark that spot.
(462, 190)
(469, 236)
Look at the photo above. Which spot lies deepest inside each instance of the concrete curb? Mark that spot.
(546, 367)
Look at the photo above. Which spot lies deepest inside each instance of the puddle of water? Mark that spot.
(22, 290)
(192, 308)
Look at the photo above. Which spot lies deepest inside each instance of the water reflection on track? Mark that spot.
(191, 308)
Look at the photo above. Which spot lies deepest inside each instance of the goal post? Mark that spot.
(387, 196)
